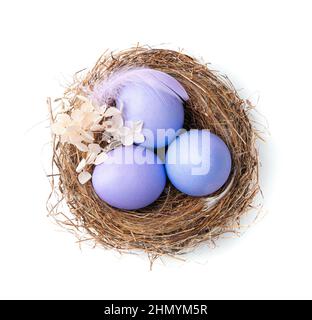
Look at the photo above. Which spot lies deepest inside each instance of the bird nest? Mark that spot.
(176, 222)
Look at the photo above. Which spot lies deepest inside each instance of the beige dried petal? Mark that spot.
(94, 148)
(82, 147)
(100, 158)
(87, 107)
(63, 121)
(73, 136)
(111, 111)
(109, 127)
(73, 129)
(106, 136)
(84, 177)
(63, 117)
(82, 98)
(87, 136)
(77, 115)
(64, 103)
(101, 109)
(64, 139)
(88, 120)
(97, 119)
(91, 157)
(114, 124)
(97, 127)
(58, 128)
(118, 120)
(81, 165)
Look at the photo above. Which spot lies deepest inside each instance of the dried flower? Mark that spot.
(84, 177)
(95, 155)
(78, 127)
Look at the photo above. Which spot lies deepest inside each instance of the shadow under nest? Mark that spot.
(176, 222)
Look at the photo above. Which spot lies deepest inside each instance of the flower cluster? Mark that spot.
(79, 126)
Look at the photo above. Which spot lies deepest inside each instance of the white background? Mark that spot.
(263, 46)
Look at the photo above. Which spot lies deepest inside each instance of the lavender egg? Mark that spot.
(131, 178)
(151, 96)
(198, 163)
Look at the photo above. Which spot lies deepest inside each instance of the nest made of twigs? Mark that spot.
(175, 222)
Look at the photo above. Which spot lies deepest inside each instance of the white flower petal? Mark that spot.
(138, 138)
(81, 165)
(84, 177)
(111, 111)
(127, 140)
(124, 131)
(137, 126)
(100, 158)
(121, 105)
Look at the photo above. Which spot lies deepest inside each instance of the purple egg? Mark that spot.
(162, 113)
(148, 95)
(131, 178)
(198, 163)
